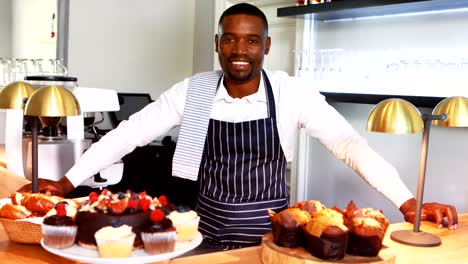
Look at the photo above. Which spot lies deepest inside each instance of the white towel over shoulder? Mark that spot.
(197, 112)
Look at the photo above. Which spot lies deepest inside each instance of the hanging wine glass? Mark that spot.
(19, 69)
(5, 72)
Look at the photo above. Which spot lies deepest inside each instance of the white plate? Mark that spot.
(82, 254)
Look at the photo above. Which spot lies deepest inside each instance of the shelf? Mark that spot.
(418, 101)
(347, 9)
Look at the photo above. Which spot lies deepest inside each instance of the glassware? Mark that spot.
(35, 67)
(19, 69)
(5, 71)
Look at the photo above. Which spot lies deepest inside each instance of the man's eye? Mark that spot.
(253, 41)
(226, 40)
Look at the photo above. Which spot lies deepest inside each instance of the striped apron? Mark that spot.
(242, 174)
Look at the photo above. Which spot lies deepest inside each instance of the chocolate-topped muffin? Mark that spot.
(59, 230)
(160, 235)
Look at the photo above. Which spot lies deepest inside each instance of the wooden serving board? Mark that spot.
(273, 254)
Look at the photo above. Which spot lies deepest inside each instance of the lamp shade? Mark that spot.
(52, 101)
(14, 94)
(456, 109)
(395, 116)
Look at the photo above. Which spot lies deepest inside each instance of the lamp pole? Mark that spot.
(34, 154)
(416, 237)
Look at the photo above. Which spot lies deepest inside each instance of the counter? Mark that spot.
(452, 250)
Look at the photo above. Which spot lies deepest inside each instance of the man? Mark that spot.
(238, 129)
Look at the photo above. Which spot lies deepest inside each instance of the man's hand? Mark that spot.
(434, 212)
(58, 188)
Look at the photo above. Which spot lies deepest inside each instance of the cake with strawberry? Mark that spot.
(159, 236)
(115, 209)
(58, 228)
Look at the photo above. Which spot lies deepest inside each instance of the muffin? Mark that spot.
(186, 222)
(287, 227)
(58, 227)
(367, 229)
(160, 236)
(115, 242)
(326, 236)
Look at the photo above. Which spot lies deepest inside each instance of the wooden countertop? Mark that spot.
(452, 250)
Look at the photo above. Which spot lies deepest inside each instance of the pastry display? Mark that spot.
(287, 226)
(111, 209)
(58, 228)
(115, 241)
(159, 236)
(114, 224)
(21, 215)
(329, 233)
(185, 221)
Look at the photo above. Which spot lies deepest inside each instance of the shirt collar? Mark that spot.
(259, 96)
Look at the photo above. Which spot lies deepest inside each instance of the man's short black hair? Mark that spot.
(245, 9)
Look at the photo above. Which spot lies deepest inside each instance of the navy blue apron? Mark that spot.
(242, 174)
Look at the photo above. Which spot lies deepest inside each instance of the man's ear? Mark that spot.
(216, 38)
(267, 45)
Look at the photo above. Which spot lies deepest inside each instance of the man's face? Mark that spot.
(241, 44)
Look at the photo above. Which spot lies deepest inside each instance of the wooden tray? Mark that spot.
(273, 254)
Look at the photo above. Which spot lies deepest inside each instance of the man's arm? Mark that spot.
(154, 120)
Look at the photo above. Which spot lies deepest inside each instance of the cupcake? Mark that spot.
(186, 222)
(326, 236)
(287, 226)
(367, 229)
(160, 236)
(58, 227)
(115, 242)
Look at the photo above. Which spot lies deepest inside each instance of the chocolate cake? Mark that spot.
(108, 209)
(88, 223)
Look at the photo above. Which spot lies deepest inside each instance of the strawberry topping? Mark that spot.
(93, 197)
(132, 203)
(61, 210)
(157, 215)
(163, 200)
(144, 204)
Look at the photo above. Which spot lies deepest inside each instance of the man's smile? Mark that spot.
(239, 65)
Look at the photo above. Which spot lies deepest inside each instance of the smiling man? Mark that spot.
(238, 131)
(241, 46)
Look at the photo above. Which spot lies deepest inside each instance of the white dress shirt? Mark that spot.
(298, 105)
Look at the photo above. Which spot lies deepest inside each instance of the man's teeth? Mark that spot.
(240, 63)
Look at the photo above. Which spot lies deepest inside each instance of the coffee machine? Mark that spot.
(62, 141)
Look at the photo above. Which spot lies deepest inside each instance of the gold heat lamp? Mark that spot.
(15, 95)
(456, 108)
(398, 116)
(50, 104)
